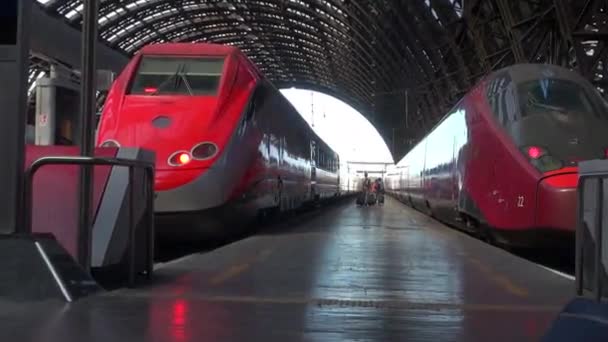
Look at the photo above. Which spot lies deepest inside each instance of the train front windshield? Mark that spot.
(558, 97)
(169, 75)
(559, 123)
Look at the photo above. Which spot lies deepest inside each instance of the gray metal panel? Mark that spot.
(593, 207)
(13, 102)
(593, 167)
(110, 230)
(54, 38)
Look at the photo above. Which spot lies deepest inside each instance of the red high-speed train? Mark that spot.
(228, 144)
(503, 162)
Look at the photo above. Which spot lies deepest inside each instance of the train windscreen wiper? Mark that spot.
(185, 80)
(174, 77)
(533, 101)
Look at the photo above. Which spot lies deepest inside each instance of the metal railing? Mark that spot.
(85, 243)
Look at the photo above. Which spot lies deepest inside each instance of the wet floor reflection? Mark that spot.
(364, 274)
(375, 257)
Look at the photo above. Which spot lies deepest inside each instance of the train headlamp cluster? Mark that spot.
(200, 151)
(179, 158)
(204, 150)
(110, 143)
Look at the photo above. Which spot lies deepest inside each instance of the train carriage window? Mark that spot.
(168, 75)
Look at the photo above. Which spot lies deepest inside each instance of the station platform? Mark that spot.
(337, 274)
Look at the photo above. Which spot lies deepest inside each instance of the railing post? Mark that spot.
(87, 111)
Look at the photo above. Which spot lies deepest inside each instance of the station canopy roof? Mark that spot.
(401, 63)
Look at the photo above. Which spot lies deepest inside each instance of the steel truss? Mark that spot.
(402, 63)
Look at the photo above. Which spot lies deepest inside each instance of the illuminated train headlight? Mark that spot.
(179, 158)
(205, 150)
(110, 143)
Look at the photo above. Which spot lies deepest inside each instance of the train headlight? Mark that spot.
(179, 158)
(110, 143)
(204, 150)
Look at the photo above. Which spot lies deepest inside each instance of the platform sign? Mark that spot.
(9, 17)
(43, 120)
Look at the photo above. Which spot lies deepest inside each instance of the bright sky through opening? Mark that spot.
(341, 126)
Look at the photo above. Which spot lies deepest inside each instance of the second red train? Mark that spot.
(503, 162)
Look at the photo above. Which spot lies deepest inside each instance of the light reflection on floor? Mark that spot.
(373, 255)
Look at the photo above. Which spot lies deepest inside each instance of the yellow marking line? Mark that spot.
(231, 272)
(500, 279)
(510, 286)
(236, 270)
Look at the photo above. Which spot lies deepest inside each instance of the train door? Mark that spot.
(313, 169)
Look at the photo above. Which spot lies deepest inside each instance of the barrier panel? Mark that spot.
(55, 202)
(99, 161)
(585, 318)
(591, 232)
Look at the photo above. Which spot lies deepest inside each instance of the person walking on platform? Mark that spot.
(379, 191)
(367, 186)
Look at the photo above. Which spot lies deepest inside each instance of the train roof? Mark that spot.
(199, 49)
(524, 72)
(189, 49)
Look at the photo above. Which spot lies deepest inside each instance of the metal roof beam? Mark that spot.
(51, 37)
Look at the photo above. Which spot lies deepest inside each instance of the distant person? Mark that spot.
(379, 189)
(367, 187)
(381, 185)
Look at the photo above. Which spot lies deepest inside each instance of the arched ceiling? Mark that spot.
(402, 63)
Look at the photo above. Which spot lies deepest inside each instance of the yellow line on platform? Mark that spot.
(239, 268)
(231, 272)
(508, 285)
(500, 279)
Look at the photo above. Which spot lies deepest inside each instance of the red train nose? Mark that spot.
(171, 179)
(556, 206)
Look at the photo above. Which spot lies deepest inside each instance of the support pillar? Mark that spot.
(14, 61)
(86, 128)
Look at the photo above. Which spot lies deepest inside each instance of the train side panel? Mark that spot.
(506, 156)
(288, 173)
(490, 174)
(467, 166)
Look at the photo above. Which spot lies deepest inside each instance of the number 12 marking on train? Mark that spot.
(520, 201)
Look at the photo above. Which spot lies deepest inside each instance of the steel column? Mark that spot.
(87, 112)
(14, 48)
